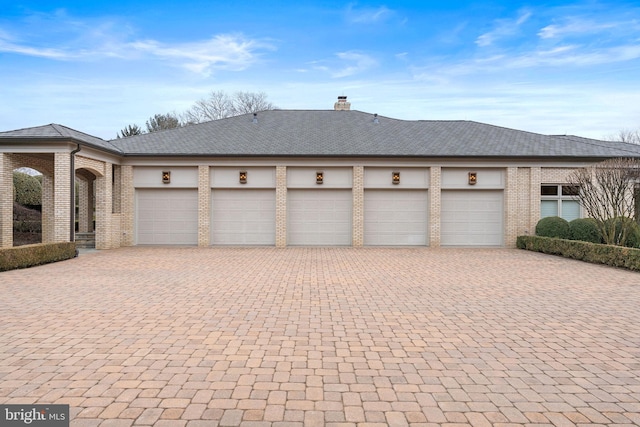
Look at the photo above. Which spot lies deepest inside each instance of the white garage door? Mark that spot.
(472, 218)
(243, 217)
(395, 217)
(319, 217)
(166, 216)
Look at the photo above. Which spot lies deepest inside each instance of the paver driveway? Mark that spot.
(323, 336)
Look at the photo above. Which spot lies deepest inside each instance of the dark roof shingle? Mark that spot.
(328, 133)
(57, 132)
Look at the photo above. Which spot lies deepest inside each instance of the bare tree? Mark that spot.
(220, 105)
(217, 106)
(607, 192)
(162, 122)
(625, 135)
(251, 102)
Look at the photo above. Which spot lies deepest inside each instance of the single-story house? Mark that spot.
(299, 177)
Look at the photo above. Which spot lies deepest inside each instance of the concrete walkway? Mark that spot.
(323, 336)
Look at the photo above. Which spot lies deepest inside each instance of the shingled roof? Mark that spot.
(329, 133)
(55, 132)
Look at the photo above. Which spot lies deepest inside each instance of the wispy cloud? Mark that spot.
(562, 57)
(106, 39)
(575, 27)
(503, 28)
(612, 27)
(357, 63)
(49, 53)
(348, 64)
(226, 51)
(368, 15)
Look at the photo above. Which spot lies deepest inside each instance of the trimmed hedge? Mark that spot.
(585, 229)
(615, 256)
(32, 255)
(553, 226)
(27, 190)
(27, 226)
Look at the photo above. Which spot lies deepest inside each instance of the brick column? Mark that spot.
(6, 202)
(434, 206)
(358, 206)
(62, 197)
(281, 206)
(511, 208)
(104, 203)
(47, 209)
(534, 198)
(204, 205)
(83, 205)
(117, 189)
(127, 206)
(90, 205)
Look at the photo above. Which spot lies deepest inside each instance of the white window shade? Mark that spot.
(548, 208)
(570, 210)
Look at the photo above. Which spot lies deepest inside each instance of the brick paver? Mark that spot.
(323, 336)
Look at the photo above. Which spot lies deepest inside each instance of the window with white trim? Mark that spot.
(559, 200)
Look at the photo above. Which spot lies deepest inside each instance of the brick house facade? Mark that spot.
(335, 177)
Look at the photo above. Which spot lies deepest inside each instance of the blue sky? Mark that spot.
(550, 67)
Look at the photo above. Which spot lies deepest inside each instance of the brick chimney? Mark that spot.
(342, 104)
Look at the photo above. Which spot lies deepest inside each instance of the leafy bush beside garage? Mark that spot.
(585, 230)
(625, 230)
(553, 226)
(615, 256)
(32, 255)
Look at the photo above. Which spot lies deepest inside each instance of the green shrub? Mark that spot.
(615, 256)
(27, 226)
(632, 239)
(27, 190)
(31, 255)
(553, 226)
(26, 220)
(585, 230)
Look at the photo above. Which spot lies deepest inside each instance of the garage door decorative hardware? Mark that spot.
(395, 177)
(473, 178)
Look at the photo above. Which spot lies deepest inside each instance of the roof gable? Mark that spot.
(57, 132)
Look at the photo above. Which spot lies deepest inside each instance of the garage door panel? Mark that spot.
(243, 217)
(162, 204)
(395, 217)
(166, 216)
(182, 215)
(472, 218)
(145, 227)
(319, 217)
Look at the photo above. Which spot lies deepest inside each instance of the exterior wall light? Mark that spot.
(473, 178)
(319, 177)
(166, 177)
(243, 177)
(395, 177)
